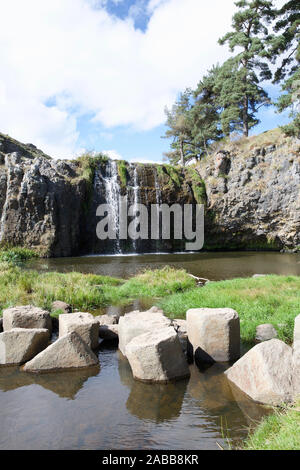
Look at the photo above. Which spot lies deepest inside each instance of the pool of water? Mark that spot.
(105, 408)
(213, 266)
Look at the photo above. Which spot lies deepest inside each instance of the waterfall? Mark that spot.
(136, 189)
(112, 193)
(158, 201)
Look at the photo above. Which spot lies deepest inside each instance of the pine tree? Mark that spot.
(180, 129)
(249, 33)
(205, 113)
(287, 42)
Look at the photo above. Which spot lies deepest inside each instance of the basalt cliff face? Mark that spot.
(251, 196)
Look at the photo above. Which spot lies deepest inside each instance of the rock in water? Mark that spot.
(265, 332)
(157, 356)
(213, 334)
(63, 306)
(68, 352)
(137, 323)
(26, 316)
(19, 345)
(84, 324)
(180, 327)
(265, 373)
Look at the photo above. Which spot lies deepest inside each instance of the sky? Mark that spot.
(96, 75)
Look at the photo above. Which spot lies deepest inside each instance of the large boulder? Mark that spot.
(213, 334)
(137, 323)
(26, 316)
(68, 352)
(19, 345)
(296, 370)
(265, 373)
(157, 356)
(84, 324)
(297, 329)
(265, 332)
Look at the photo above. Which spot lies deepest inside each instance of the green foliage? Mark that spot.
(241, 94)
(88, 163)
(198, 185)
(290, 99)
(122, 172)
(279, 431)
(16, 254)
(270, 299)
(287, 42)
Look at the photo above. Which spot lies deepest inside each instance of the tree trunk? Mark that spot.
(245, 117)
(181, 153)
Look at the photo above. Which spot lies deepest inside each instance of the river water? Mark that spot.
(214, 266)
(105, 408)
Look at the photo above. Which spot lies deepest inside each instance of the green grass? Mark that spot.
(16, 254)
(85, 291)
(279, 431)
(122, 172)
(270, 299)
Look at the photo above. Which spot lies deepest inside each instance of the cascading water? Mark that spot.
(112, 193)
(158, 200)
(136, 189)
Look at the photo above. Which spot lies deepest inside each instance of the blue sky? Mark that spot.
(96, 75)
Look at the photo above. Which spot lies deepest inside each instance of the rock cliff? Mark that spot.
(251, 192)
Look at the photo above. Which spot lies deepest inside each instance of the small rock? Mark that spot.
(68, 352)
(26, 316)
(180, 327)
(19, 345)
(107, 319)
(109, 332)
(157, 356)
(137, 323)
(259, 275)
(265, 332)
(59, 305)
(265, 373)
(213, 334)
(84, 324)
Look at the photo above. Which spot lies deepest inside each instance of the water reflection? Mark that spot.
(105, 408)
(64, 384)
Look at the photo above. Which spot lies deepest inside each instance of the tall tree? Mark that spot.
(286, 43)
(250, 33)
(180, 129)
(205, 113)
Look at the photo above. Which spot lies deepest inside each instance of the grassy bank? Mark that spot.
(279, 431)
(85, 291)
(270, 299)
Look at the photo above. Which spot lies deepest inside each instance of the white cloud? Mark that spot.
(96, 64)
